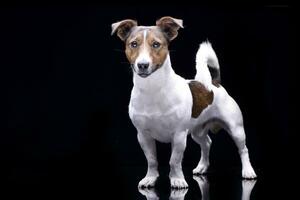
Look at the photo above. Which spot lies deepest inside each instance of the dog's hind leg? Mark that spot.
(202, 138)
(232, 120)
(237, 133)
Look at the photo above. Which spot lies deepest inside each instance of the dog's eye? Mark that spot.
(155, 45)
(133, 44)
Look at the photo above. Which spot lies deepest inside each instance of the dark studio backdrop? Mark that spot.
(67, 85)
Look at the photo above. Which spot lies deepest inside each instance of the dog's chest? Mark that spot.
(159, 115)
(159, 126)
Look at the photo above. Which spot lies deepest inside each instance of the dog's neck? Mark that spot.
(156, 81)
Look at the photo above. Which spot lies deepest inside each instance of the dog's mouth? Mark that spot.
(143, 75)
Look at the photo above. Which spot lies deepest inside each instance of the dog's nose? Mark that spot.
(143, 66)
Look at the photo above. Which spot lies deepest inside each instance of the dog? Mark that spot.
(166, 107)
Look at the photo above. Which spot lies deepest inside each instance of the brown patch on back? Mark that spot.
(201, 97)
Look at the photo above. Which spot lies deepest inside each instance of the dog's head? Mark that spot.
(147, 46)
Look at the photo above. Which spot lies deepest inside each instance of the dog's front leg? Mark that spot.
(148, 145)
(178, 147)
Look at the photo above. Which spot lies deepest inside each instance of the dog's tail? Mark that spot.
(207, 66)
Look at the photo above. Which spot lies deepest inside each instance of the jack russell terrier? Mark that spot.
(167, 107)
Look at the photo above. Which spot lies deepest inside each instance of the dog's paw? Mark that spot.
(248, 185)
(200, 169)
(148, 181)
(178, 194)
(178, 183)
(149, 193)
(248, 173)
(203, 185)
(202, 181)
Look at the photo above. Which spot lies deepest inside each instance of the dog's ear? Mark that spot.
(169, 26)
(123, 28)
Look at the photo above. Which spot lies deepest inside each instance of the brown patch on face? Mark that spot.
(133, 52)
(155, 43)
(201, 97)
(157, 46)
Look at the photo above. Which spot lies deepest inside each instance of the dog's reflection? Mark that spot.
(203, 183)
(176, 194)
(149, 193)
(247, 186)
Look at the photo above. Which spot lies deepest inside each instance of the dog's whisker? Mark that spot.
(125, 63)
(119, 50)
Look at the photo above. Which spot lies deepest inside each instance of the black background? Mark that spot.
(67, 86)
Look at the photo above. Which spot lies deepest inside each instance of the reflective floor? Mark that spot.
(218, 184)
(204, 188)
(121, 182)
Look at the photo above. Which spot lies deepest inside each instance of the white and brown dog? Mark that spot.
(167, 107)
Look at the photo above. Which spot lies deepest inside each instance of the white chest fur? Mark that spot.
(160, 104)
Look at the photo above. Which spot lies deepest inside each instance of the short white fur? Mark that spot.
(160, 108)
(205, 56)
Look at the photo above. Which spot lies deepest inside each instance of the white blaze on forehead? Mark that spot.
(145, 40)
(145, 35)
(144, 56)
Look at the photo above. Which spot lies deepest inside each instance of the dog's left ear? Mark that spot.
(123, 28)
(169, 26)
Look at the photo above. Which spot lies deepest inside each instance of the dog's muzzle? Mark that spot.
(142, 69)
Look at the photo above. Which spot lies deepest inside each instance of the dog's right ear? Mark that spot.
(169, 26)
(123, 28)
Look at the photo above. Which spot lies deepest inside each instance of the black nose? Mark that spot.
(143, 66)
